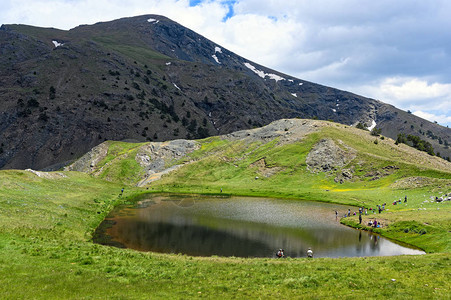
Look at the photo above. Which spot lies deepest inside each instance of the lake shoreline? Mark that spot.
(140, 201)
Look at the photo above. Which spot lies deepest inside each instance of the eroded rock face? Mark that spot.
(88, 162)
(326, 156)
(344, 175)
(154, 156)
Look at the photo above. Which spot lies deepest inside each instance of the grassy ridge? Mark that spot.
(46, 225)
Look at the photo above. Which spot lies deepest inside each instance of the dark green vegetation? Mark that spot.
(418, 143)
(47, 221)
(141, 81)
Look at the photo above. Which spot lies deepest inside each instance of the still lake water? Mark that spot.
(242, 227)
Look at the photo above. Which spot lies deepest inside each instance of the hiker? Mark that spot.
(336, 214)
(280, 253)
(122, 191)
(405, 199)
(360, 218)
(309, 253)
(349, 212)
(366, 211)
(375, 224)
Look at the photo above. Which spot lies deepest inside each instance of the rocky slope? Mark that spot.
(148, 78)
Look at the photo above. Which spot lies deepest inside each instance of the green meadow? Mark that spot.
(47, 223)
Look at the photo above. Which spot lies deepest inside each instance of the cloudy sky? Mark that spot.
(398, 52)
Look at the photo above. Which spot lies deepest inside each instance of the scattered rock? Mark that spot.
(88, 162)
(47, 175)
(344, 175)
(155, 157)
(263, 169)
(326, 156)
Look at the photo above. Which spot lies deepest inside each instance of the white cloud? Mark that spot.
(411, 93)
(440, 119)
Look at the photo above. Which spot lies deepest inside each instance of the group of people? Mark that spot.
(374, 223)
(281, 253)
(362, 211)
(399, 201)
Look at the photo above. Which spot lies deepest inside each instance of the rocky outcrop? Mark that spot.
(263, 169)
(156, 158)
(326, 156)
(88, 162)
(47, 175)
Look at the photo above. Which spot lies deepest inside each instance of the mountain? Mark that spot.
(148, 78)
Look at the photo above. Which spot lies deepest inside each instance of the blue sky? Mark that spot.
(398, 52)
(228, 3)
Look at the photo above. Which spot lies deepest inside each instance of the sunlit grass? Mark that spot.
(46, 227)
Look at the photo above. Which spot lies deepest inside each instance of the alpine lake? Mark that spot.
(240, 227)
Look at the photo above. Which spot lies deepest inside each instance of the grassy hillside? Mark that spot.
(47, 221)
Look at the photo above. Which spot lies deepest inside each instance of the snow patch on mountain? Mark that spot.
(153, 20)
(262, 74)
(57, 44)
(294, 95)
(373, 125)
(216, 59)
(217, 49)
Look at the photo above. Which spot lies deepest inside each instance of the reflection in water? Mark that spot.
(244, 227)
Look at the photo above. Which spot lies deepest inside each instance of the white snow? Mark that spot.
(217, 49)
(334, 110)
(294, 94)
(290, 80)
(258, 72)
(168, 63)
(216, 59)
(57, 44)
(301, 83)
(176, 86)
(373, 125)
(263, 74)
(153, 20)
(275, 77)
(337, 104)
